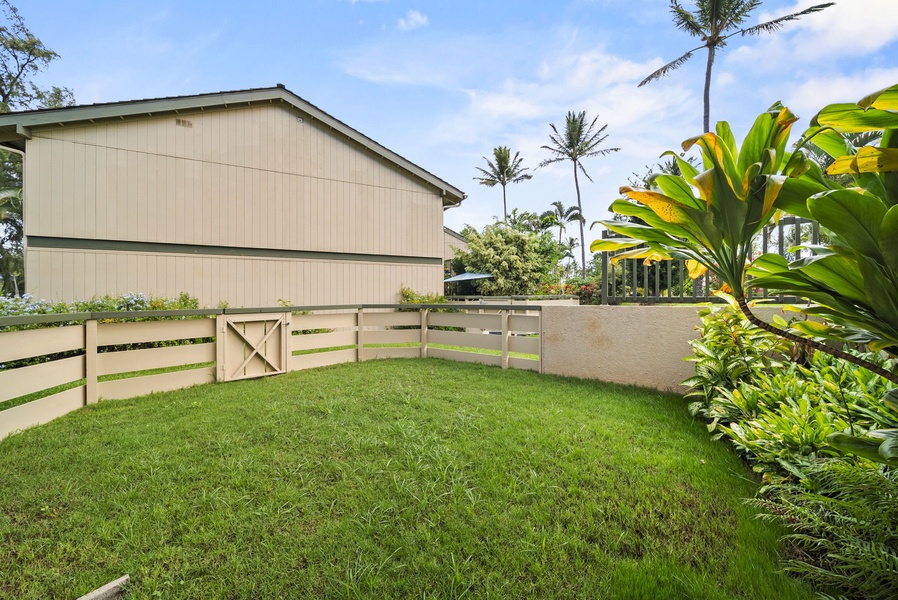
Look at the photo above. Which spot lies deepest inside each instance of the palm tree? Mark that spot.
(503, 171)
(561, 215)
(568, 249)
(714, 22)
(576, 142)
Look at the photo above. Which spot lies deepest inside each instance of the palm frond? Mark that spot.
(736, 14)
(671, 66)
(684, 20)
(550, 161)
(777, 24)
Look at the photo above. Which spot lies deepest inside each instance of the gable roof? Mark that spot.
(15, 127)
(455, 234)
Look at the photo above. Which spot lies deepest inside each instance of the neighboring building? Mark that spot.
(452, 240)
(245, 197)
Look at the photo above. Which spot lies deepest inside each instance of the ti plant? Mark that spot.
(710, 218)
(853, 281)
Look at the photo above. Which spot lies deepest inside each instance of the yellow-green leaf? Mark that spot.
(648, 254)
(723, 294)
(886, 99)
(695, 269)
(851, 118)
(869, 159)
(612, 245)
(771, 191)
(667, 209)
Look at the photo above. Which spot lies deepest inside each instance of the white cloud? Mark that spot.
(843, 32)
(852, 26)
(412, 20)
(808, 97)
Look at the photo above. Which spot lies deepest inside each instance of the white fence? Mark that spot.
(93, 359)
(89, 358)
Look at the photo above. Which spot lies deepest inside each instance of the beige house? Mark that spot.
(245, 197)
(452, 241)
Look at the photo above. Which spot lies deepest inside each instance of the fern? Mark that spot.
(841, 520)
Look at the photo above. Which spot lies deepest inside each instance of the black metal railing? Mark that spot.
(632, 281)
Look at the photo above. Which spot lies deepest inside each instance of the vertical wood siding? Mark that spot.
(247, 177)
(241, 281)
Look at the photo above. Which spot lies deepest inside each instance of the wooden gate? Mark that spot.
(252, 345)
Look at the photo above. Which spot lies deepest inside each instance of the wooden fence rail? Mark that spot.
(78, 359)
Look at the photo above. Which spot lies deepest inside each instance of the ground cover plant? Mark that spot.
(385, 479)
(779, 408)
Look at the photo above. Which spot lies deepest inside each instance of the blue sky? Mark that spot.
(442, 83)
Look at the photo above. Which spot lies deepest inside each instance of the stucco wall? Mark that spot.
(638, 345)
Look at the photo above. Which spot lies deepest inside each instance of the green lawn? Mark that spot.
(385, 479)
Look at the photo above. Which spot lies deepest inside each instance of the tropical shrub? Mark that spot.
(776, 408)
(587, 293)
(409, 296)
(16, 306)
(852, 281)
(729, 351)
(518, 262)
(711, 218)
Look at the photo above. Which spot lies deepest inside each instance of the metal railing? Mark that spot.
(632, 281)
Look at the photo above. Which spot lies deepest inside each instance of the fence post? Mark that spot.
(424, 313)
(221, 326)
(604, 297)
(360, 321)
(90, 362)
(287, 349)
(504, 315)
(541, 346)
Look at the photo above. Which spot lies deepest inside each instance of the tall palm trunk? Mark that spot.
(582, 237)
(504, 205)
(707, 121)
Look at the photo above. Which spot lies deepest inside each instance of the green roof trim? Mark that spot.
(16, 127)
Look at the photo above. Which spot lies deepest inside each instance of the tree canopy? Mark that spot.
(22, 57)
(518, 261)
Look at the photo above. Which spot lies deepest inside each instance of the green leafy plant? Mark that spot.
(853, 281)
(14, 306)
(711, 218)
(777, 411)
(729, 352)
(517, 261)
(409, 296)
(842, 519)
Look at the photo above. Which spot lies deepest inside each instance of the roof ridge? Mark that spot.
(21, 121)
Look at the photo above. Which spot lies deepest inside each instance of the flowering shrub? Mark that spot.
(586, 292)
(18, 306)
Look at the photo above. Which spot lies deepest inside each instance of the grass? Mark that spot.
(384, 479)
(417, 345)
(20, 400)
